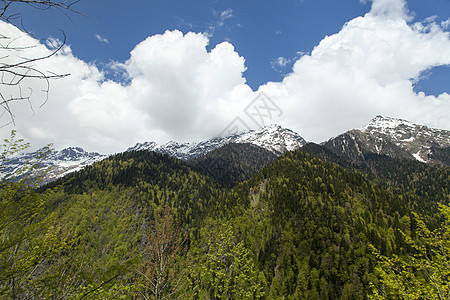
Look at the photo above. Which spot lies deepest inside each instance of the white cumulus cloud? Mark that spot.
(177, 90)
(365, 70)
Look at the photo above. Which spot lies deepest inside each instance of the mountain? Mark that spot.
(386, 136)
(274, 138)
(56, 163)
(395, 138)
(305, 223)
(233, 163)
(302, 227)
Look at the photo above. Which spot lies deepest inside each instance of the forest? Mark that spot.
(306, 225)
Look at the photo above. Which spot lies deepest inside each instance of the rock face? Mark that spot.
(56, 163)
(395, 138)
(274, 138)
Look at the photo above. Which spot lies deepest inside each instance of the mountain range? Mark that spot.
(55, 163)
(274, 138)
(381, 136)
(312, 223)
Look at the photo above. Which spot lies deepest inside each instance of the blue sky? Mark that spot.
(183, 70)
(261, 31)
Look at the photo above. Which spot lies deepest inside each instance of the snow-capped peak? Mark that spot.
(271, 137)
(143, 146)
(56, 163)
(381, 123)
(415, 139)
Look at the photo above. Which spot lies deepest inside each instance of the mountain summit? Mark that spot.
(274, 138)
(396, 138)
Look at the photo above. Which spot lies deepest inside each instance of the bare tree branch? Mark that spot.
(17, 69)
(64, 6)
(165, 242)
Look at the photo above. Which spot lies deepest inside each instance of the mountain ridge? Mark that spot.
(393, 137)
(233, 162)
(273, 137)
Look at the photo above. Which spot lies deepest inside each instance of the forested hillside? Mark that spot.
(144, 225)
(233, 163)
(311, 223)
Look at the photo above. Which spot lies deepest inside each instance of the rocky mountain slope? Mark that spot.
(274, 138)
(56, 163)
(395, 138)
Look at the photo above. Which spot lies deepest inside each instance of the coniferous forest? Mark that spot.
(307, 225)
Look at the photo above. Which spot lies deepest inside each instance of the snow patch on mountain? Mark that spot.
(52, 164)
(415, 139)
(272, 137)
(417, 156)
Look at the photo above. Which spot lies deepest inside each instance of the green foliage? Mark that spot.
(297, 229)
(224, 268)
(115, 207)
(423, 274)
(151, 179)
(308, 224)
(28, 240)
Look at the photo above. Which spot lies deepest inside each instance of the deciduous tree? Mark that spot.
(27, 238)
(422, 274)
(225, 269)
(161, 277)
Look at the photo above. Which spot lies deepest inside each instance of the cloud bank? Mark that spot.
(178, 90)
(367, 68)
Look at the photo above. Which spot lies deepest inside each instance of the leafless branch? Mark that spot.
(13, 75)
(18, 70)
(65, 6)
